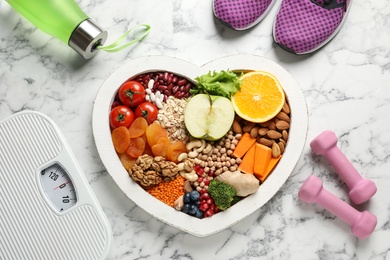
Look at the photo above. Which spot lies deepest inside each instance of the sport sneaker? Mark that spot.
(304, 26)
(241, 14)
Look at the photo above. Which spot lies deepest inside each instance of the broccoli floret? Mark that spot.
(222, 194)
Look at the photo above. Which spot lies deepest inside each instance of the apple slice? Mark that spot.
(208, 117)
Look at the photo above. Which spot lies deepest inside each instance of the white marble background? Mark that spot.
(346, 85)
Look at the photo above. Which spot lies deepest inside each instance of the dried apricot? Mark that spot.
(138, 127)
(154, 132)
(126, 160)
(136, 147)
(174, 150)
(120, 138)
(159, 149)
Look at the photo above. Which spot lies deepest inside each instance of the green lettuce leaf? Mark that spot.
(223, 83)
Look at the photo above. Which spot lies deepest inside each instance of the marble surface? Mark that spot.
(345, 85)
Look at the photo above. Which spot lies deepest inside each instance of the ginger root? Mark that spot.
(244, 184)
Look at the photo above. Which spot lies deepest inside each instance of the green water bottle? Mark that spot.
(64, 20)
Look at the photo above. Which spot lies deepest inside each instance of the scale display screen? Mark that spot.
(58, 187)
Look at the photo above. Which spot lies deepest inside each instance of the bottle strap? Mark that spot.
(115, 46)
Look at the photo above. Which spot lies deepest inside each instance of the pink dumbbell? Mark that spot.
(361, 189)
(362, 223)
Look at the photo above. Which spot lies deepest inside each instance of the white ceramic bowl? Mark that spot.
(222, 220)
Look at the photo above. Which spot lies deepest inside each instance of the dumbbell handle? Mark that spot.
(337, 206)
(343, 166)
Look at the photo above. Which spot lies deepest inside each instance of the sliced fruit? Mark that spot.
(208, 117)
(260, 97)
(175, 149)
(154, 132)
(136, 147)
(138, 127)
(126, 160)
(121, 139)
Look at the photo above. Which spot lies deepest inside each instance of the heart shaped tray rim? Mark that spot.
(222, 220)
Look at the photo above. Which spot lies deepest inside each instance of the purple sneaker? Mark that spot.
(304, 26)
(241, 14)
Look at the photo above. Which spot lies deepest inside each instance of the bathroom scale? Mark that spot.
(47, 208)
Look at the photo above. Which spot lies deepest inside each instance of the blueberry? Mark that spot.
(186, 208)
(187, 197)
(198, 213)
(193, 209)
(194, 195)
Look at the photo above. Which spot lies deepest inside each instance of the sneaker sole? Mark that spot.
(258, 20)
(322, 44)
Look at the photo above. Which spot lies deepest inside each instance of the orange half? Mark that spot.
(261, 97)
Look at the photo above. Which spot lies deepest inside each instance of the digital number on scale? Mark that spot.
(58, 187)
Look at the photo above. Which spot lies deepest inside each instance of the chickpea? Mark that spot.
(223, 150)
(233, 168)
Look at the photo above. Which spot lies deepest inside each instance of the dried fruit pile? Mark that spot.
(221, 161)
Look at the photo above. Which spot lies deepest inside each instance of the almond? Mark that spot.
(237, 127)
(272, 134)
(272, 125)
(254, 132)
(248, 127)
(281, 146)
(282, 125)
(263, 131)
(283, 116)
(286, 108)
(265, 141)
(275, 150)
(285, 135)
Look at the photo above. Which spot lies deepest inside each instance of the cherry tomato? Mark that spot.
(121, 116)
(131, 93)
(147, 110)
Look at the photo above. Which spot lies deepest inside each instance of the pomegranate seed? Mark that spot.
(204, 196)
(209, 213)
(206, 182)
(203, 190)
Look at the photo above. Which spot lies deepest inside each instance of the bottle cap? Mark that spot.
(86, 37)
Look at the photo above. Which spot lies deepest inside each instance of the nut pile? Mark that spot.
(273, 133)
(149, 171)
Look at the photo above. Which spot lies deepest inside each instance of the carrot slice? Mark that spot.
(271, 166)
(243, 145)
(120, 138)
(248, 161)
(263, 156)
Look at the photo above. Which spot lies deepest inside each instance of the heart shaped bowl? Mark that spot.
(163, 212)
